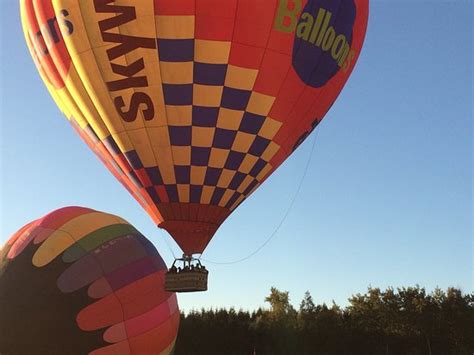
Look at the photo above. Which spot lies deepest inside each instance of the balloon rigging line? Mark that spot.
(277, 228)
(167, 243)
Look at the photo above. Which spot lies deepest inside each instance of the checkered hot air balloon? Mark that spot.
(192, 104)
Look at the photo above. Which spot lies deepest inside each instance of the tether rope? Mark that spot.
(165, 237)
(277, 228)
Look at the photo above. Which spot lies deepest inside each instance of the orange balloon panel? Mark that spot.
(192, 104)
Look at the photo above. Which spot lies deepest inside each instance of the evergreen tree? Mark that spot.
(403, 321)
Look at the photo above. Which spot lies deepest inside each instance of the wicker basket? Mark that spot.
(186, 281)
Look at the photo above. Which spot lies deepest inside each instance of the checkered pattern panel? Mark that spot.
(219, 125)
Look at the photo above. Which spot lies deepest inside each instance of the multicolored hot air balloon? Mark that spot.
(78, 281)
(192, 104)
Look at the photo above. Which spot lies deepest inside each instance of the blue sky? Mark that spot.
(387, 200)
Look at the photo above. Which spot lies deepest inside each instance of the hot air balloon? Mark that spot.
(192, 104)
(79, 281)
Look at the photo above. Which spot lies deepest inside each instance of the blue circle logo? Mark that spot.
(323, 38)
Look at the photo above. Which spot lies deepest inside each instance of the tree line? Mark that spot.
(402, 321)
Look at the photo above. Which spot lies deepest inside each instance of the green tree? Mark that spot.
(407, 320)
(279, 302)
(276, 328)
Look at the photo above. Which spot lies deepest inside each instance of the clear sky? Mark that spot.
(387, 200)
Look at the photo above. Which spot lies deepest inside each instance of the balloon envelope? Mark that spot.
(192, 104)
(78, 281)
